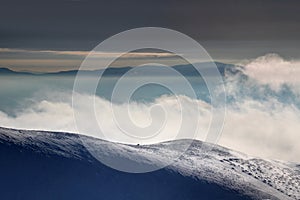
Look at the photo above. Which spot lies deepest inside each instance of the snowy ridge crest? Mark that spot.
(259, 178)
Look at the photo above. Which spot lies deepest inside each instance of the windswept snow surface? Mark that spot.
(236, 175)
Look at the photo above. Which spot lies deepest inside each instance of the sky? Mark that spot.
(36, 34)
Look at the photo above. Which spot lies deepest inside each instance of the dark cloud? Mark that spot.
(56, 24)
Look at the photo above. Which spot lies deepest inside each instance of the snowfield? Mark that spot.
(254, 177)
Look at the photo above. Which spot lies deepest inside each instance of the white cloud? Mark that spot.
(58, 116)
(273, 70)
(267, 129)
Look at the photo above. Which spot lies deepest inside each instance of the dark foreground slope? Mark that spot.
(45, 165)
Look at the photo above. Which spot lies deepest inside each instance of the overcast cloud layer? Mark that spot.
(230, 30)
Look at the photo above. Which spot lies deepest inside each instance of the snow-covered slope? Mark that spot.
(232, 175)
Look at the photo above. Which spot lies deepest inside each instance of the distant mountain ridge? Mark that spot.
(6, 71)
(186, 70)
